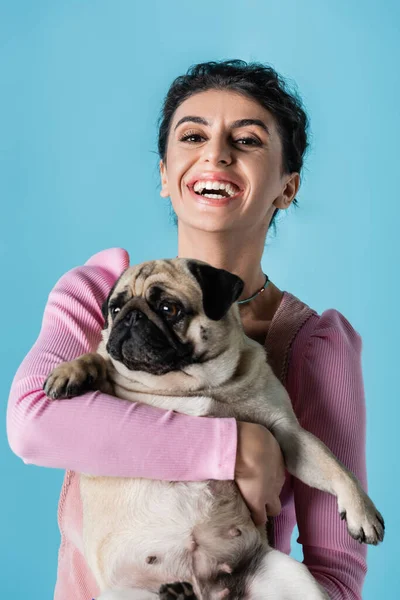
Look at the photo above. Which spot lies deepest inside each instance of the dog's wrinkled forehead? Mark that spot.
(199, 287)
(167, 276)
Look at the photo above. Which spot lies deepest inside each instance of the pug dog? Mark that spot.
(173, 339)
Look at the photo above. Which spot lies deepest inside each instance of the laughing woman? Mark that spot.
(232, 140)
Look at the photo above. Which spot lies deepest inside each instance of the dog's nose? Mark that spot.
(133, 317)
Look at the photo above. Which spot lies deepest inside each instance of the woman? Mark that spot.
(221, 122)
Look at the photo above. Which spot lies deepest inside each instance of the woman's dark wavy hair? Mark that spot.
(255, 80)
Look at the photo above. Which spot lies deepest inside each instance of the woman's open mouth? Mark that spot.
(218, 193)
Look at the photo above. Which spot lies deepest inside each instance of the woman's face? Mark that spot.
(223, 136)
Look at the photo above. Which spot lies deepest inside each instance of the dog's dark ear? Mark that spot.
(220, 288)
(104, 306)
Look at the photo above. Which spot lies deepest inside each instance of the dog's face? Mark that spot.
(166, 315)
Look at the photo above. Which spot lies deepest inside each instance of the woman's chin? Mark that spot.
(207, 214)
(206, 221)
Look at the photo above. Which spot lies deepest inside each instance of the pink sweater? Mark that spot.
(96, 434)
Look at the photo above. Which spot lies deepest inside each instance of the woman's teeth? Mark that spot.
(225, 190)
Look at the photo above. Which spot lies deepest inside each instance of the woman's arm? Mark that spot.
(326, 385)
(96, 433)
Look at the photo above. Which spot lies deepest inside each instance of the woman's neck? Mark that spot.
(240, 253)
(236, 252)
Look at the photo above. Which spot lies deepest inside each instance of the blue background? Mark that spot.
(81, 87)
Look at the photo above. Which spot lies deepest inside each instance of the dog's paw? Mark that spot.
(364, 522)
(176, 591)
(76, 377)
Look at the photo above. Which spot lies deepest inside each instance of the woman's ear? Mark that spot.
(164, 192)
(285, 199)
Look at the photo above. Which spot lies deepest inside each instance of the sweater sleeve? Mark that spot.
(329, 402)
(97, 433)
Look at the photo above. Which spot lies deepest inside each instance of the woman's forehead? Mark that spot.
(227, 104)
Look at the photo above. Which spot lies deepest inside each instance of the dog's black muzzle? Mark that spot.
(142, 341)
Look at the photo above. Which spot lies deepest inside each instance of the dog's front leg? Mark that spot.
(308, 459)
(73, 378)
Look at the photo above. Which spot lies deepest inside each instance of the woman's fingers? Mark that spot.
(274, 507)
(259, 517)
(259, 472)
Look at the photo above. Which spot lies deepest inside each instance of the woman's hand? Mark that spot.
(259, 471)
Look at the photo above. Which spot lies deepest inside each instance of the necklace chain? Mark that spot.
(256, 294)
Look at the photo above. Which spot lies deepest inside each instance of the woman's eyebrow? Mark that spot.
(234, 125)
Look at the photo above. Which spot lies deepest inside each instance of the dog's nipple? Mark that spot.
(192, 545)
(224, 568)
(234, 532)
(151, 560)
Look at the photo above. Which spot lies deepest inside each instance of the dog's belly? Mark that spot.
(143, 533)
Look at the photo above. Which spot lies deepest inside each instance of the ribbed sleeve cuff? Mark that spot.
(225, 460)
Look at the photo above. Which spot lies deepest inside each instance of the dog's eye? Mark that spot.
(170, 310)
(114, 310)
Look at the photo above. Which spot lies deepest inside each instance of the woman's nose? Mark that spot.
(216, 151)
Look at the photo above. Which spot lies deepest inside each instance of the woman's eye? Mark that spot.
(193, 138)
(249, 141)
(170, 310)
